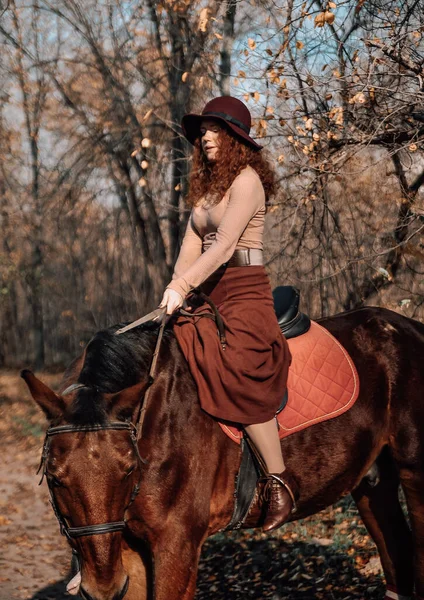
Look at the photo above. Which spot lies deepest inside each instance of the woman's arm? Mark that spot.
(247, 196)
(191, 249)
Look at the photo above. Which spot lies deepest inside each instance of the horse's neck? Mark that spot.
(173, 406)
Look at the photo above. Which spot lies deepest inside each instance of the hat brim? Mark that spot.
(191, 128)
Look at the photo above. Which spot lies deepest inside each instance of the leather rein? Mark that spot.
(135, 430)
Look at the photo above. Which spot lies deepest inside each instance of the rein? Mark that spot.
(135, 429)
(152, 373)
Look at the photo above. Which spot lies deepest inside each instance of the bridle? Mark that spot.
(135, 434)
(135, 430)
(100, 528)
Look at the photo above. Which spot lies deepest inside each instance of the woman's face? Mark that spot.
(209, 137)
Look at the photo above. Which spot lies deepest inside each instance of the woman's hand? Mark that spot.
(172, 300)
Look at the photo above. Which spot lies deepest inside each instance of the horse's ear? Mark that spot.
(125, 403)
(52, 404)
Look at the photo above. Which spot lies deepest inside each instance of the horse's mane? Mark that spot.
(111, 364)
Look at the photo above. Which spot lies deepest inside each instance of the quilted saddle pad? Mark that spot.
(323, 383)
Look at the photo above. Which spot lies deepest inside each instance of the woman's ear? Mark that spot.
(125, 404)
(52, 404)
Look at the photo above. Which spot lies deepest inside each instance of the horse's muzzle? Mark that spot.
(117, 596)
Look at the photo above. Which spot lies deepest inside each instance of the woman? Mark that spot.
(245, 382)
(222, 252)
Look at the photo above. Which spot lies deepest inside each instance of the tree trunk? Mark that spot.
(227, 46)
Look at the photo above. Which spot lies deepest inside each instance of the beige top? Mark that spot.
(215, 231)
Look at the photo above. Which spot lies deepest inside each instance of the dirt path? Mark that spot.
(328, 557)
(33, 555)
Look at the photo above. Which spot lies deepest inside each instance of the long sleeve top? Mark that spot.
(215, 231)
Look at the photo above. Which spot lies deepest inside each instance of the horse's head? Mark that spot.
(93, 469)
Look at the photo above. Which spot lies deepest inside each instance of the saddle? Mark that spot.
(323, 381)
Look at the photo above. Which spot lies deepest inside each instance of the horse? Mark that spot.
(138, 511)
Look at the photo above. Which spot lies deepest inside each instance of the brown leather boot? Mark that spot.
(280, 492)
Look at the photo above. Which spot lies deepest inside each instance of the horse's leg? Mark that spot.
(176, 561)
(412, 480)
(382, 514)
(135, 568)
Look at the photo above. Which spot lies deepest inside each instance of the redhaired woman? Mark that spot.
(222, 251)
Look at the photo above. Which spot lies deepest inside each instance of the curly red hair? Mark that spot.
(214, 179)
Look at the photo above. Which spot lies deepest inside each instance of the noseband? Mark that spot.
(84, 530)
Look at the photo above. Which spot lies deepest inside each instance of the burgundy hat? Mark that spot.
(233, 112)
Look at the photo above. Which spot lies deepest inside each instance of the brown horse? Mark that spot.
(186, 467)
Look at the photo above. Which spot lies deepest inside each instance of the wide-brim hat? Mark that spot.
(233, 112)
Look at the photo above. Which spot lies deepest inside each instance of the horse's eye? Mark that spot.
(130, 470)
(54, 481)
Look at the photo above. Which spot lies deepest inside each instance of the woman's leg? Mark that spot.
(266, 439)
(280, 489)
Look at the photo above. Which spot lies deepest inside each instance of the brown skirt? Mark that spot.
(246, 382)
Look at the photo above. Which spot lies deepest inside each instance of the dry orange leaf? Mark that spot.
(203, 19)
(147, 115)
(358, 98)
(323, 18)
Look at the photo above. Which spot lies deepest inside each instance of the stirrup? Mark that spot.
(291, 486)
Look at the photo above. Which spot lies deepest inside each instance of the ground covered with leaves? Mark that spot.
(329, 555)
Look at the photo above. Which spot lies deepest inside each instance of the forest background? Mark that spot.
(93, 165)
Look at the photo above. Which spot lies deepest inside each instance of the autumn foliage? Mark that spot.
(94, 168)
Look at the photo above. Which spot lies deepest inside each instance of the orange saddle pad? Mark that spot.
(323, 383)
